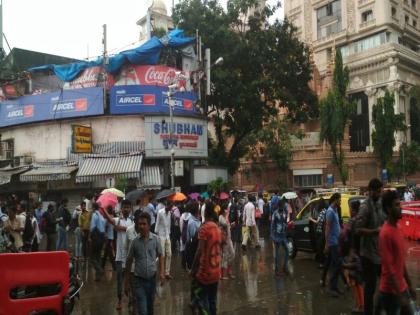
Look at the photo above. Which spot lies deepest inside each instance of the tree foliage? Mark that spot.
(335, 111)
(408, 162)
(217, 186)
(387, 123)
(263, 64)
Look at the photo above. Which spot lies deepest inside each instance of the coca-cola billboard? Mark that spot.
(147, 75)
(90, 77)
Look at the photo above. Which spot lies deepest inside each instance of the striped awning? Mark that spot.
(45, 174)
(102, 167)
(6, 173)
(151, 177)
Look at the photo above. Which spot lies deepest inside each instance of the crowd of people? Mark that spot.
(208, 233)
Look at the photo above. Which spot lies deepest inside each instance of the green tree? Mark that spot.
(263, 64)
(335, 111)
(387, 123)
(408, 162)
(217, 186)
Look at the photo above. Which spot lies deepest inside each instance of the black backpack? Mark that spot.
(184, 232)
(28, 231)
(66, 216)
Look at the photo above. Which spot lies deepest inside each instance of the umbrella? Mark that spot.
(135, 195)
(177, 197)
(107, 199)
(165, 194)
(114, 191)
(289, 195)
(205, 195)
(194, 196)
(223, 196)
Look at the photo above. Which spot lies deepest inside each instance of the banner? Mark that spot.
(51, 106)
(189, 137)
(141, 99)
(81, 139)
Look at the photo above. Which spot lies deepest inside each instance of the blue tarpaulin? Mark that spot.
(146, 54)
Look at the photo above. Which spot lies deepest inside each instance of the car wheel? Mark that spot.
(292, 248)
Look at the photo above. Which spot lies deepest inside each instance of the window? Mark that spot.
(394, 12)
(367, 16)
(329, 19)
(407, 19)
(413, 3)
(307, 180)
(415, 23)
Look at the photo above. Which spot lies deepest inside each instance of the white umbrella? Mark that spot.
(289, 195)
(114, 191)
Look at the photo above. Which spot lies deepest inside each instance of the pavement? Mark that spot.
(254, 291)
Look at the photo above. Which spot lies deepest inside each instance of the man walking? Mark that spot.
(63, 221)
(206, 265)
(249, 225)
(144, 251)
(163, 230)
(395, 286)
(84, 224)
(97, 234)
(332, 233)
(368, 224)
(278, 235)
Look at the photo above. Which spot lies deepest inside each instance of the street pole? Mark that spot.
(171, 117)
(104, 62)
(403, 160)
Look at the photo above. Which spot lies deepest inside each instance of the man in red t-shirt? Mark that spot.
(395, 286)
(206, 265)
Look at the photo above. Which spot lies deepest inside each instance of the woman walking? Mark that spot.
(228, 253)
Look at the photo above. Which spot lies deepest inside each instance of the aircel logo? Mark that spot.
(69, 106)
(26, 111)
(136, 99)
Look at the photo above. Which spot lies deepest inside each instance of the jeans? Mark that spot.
(51, 242)
(120, 273)
(277, 243)
(389, 303)
(108, 253)
(320, 245)
(204, 297)
(62, 238)
(85, 242)
(371, 273)
(77, 242)
(335, 264)
(144, 290)
(96, 248)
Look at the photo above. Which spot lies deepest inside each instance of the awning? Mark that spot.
(44, 174)
(311, 171)
(150, 177)
(7, 172)
(96, 168)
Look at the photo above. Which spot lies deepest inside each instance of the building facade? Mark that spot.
(380, 44)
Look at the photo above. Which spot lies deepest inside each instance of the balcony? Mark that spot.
(367, 24)
(362, 3)
(331, 37)
(310, 141)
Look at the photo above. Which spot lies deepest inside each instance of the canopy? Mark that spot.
(146, 54)
(150, 177)
(6, 173)
(46, 174)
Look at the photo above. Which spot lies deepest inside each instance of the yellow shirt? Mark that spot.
(217, 209)
(84, 220)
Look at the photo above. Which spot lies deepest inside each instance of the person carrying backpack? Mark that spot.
(29, 236)
(48, 227)
(183, 224)
(63, 220)
(193, 226)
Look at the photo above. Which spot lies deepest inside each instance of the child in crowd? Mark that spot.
(353, 274)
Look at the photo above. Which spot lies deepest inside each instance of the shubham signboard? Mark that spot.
(189, 137)
(81, 139)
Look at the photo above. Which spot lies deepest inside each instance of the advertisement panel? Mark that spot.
(141, 99)
(51, 106)
(189, 137)
(81, 139)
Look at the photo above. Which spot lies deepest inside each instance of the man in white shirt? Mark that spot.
(408, 196)
(121, 224)
(163, 230)
(249, 224)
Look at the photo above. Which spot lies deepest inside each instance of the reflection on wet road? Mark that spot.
(255, 290)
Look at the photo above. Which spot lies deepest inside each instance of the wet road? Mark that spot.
(255, 290)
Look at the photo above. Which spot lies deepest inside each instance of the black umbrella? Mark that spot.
(134, 195)
(165, 194)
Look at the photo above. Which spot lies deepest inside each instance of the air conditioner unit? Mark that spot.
(22, 160)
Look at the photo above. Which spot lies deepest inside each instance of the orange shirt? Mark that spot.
(209, 269)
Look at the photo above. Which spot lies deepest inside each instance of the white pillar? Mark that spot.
(370, 92)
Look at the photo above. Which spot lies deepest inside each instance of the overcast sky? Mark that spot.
(74, 28)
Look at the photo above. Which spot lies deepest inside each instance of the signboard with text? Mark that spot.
(189, 138)
(51, 106)
(149, 99)
(81, 139)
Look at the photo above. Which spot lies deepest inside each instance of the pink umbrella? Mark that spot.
(223, 196)
(107, 199)
(194, 196)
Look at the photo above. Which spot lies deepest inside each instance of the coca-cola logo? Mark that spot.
(160, 76)
(88, 78)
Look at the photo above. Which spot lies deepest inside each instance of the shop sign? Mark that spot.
(189, 137)
(82, 139)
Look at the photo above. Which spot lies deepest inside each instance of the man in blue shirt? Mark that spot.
(332, 233)
(97, 234)
(278, 234)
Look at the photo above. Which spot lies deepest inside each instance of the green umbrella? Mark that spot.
(205, 195)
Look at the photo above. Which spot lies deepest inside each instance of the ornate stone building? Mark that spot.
(380, 44)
